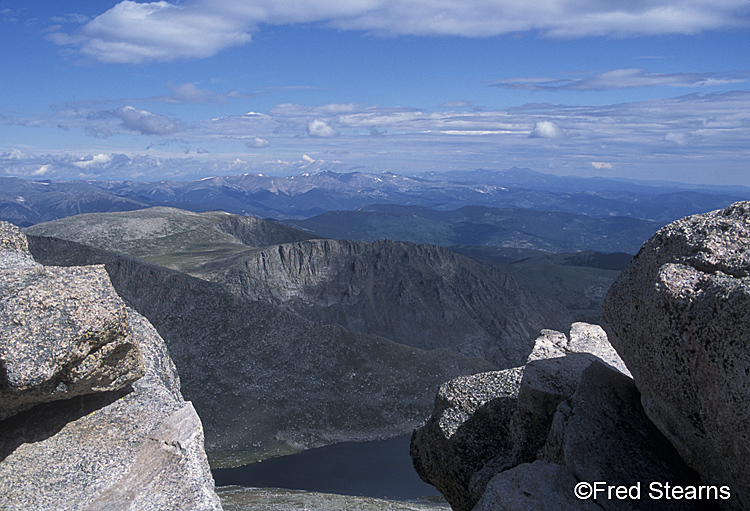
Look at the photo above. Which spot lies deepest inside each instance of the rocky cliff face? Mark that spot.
(92, 412)
(679, 317)
(674, 436)
(263, 379)
(419, 295)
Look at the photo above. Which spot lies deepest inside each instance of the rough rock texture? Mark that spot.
(572, 410)
(468, 428)
(551, 375)
(679, 317)
(423, 296)
(63, 331)
(538, 486)
(602, 434)
(14, 249)
(137, 447)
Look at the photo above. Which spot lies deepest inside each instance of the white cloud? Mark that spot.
(133, 32)
(43, 170)
(685, 135)
(681, 139)
(318, 128)
(258, 143)
(546, 129)
(99, 159)
(619, 79)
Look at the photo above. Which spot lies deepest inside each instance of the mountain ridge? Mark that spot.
(28, 202)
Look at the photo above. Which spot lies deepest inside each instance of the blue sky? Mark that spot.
(656, 89)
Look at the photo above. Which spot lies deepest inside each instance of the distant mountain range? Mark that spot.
(468, 227)
(28, 202)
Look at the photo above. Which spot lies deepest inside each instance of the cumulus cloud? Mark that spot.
(546, 129)
(90, 161)
(147, 123)
(318, 128)
(619, 79)
(133, 32)
(258, 143)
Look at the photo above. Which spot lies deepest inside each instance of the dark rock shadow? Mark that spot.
(46, 420)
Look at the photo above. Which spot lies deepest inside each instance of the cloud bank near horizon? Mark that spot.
(134, 32)
(688, 134)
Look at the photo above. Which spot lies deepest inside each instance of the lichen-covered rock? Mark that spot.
(538, 486)
(63, 331)
(467, 430)
(602, 434)
(91, 415)
(138, 448)
(679, 318)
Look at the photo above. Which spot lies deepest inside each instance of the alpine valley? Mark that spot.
(326, 307)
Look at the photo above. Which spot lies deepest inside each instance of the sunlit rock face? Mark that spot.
(92, 412)
(679, 318)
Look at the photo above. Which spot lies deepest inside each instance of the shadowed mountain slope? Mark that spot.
(420, 295)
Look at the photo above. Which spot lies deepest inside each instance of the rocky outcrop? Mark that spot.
(108, 427)
(679, 317)
(538, 486)
(423, 296)
(468, 429)
(63, 333)
(497, 442)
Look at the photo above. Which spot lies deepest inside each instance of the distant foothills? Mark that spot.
(25, 202)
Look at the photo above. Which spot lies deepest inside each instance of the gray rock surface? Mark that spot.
(538, 486)
(679, 318)
(134, 445)
(63, 331)
(14, 249)
(602, 434)
(423, 296)
(139, 448)
(469, 429)
(551, 375)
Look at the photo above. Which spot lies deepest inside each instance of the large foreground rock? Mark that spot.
(538, 486)
(601, 433)
(679, 317)
(468, 428)
(63, 333)
(106, 438)
(485, 424)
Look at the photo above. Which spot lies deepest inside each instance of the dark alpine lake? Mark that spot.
(379, 469)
